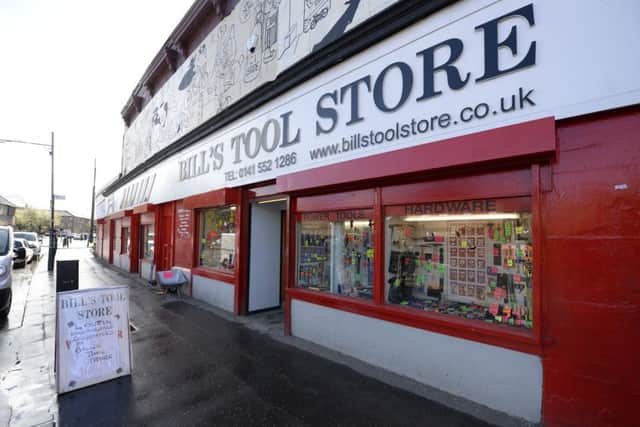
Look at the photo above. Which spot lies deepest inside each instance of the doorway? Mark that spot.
(266, 243)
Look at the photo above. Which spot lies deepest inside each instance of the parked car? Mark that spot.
(24, 254)
(32, 241)
(6, 260)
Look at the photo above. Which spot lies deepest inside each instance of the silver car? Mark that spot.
(32, 241)
(6, 259)
(23, 253)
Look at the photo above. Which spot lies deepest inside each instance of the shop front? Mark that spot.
(266, 269)
(208, 243)
(444, 264)
(455, 204)
(144, 218)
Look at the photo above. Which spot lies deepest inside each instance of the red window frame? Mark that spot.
(524, 181)
(211, 272)
(125, 236)
(332, 215)
(143, 226)
(214, 199)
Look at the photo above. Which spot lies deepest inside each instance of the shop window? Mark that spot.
(471, 259)
(335, 252)
(147, 237)
(218, 238)
(125, 241)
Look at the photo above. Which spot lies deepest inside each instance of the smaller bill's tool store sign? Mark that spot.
(92, 337)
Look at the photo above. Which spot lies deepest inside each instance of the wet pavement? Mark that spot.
(190, 367)
(27, 382)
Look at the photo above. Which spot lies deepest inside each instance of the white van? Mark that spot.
(6, 261)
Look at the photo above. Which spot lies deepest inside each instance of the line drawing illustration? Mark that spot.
(314, 12)
(340, 26)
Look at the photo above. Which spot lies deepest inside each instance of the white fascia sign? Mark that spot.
(470, 67)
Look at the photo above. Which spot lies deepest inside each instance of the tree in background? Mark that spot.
(29, 219)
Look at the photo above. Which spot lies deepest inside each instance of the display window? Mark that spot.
(218, 238)
(125, 242)
(147, 240)
(335, 252)
(469, 258)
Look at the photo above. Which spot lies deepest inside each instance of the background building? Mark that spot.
(73, 223)
(7, 212)
(39, 220)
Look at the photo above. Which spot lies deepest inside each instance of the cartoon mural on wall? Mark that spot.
(226, 65)
(268, 17)
(290, 35)
(251, 46)
(158, 127)
(314, 11)
(340, 25)
(195, 85)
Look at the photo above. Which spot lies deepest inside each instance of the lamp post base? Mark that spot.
(52, 250)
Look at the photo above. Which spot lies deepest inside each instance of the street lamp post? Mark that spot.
(93, 204)
(52, 238)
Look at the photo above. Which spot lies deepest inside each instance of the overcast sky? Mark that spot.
(69, 66)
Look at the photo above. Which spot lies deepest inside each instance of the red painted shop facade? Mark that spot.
(400, 213)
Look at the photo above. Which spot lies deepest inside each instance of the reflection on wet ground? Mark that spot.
(190, 367)
(194, 368)
(27, 393)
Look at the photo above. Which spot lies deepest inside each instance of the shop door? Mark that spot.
(112, 235)
(165, 260)
(142, 240)
(265, 255)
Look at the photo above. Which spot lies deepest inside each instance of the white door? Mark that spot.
(265, 255)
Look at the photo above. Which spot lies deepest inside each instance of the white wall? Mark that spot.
(213, 292)
(501, 379)
(264, 260)
(147, 270)
(121, 261)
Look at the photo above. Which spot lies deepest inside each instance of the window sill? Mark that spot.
(228, 278)
(500, 336)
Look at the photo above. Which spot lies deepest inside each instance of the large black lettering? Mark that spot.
(353, 89)
(264, 136)
(492, 45)
(247, 142)
(378, 88)
(286, 140)
(236, 144)
(454, 80)
(152, 180)
(216, 153)
(327, 113)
